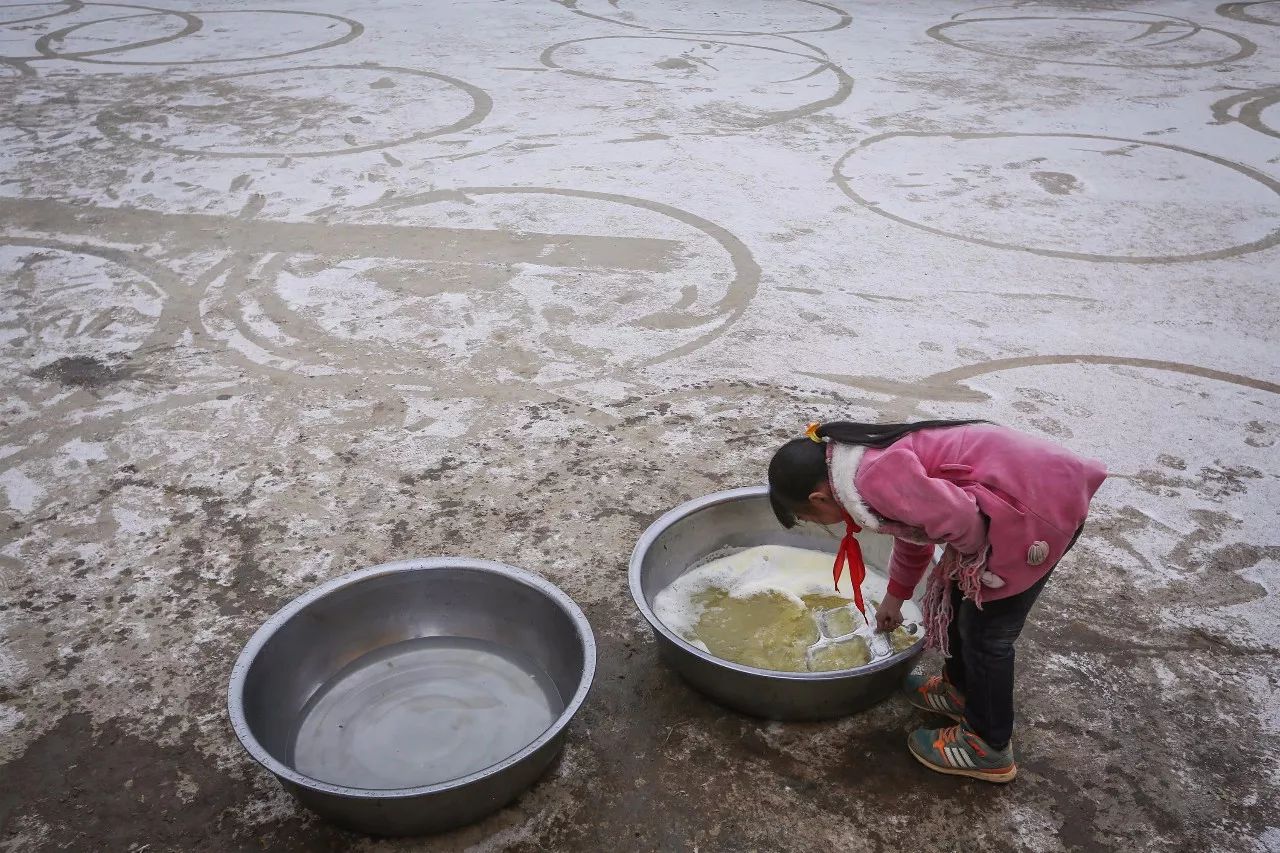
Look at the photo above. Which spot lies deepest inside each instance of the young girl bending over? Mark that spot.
(1007, 507)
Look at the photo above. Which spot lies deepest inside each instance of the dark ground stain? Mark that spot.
(1213, 482)
(675, 63)
(1057, 183)
(104, 790)
(83, 371)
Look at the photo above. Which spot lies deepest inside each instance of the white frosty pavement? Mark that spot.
(292, 291)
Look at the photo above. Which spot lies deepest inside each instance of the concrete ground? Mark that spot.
(295, 291)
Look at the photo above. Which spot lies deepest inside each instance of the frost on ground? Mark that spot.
(291, 292)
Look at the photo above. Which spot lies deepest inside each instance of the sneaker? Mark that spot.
(936, 695)
(957, 750)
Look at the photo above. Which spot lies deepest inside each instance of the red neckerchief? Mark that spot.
(850, 554)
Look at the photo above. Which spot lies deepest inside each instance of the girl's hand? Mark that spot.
(889, 613)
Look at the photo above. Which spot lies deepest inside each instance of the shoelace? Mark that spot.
(948, 736)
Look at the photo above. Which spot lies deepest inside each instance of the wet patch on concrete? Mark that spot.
(82, 371)
(1056, 183)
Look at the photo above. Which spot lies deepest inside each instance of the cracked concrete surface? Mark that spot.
(295, 291)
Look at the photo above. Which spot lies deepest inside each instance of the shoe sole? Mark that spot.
(1006, 776)
(915, 703)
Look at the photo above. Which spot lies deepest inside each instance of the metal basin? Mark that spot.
(741, 518)
(416, 696)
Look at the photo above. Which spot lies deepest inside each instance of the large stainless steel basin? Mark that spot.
(741, 518)
(411, 672)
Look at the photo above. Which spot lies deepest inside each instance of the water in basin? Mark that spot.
(421, 712)
(761, 607)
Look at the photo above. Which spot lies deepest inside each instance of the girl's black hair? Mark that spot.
(800, 465)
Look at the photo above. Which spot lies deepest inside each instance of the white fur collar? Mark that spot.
(842, 464)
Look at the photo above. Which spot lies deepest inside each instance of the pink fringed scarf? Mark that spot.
(954, 567)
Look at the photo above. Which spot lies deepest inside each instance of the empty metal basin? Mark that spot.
(415, 696)
(742, 518)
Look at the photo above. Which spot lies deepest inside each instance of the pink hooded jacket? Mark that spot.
(972, 487)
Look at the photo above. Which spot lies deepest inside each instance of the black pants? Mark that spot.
(981, 662)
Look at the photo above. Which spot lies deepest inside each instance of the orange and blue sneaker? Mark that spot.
(935, 694)
(959, 751)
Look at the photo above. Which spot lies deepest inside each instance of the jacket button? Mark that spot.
(1037, 553)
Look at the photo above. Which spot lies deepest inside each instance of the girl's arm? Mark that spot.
(907, 566)
(897, 486)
